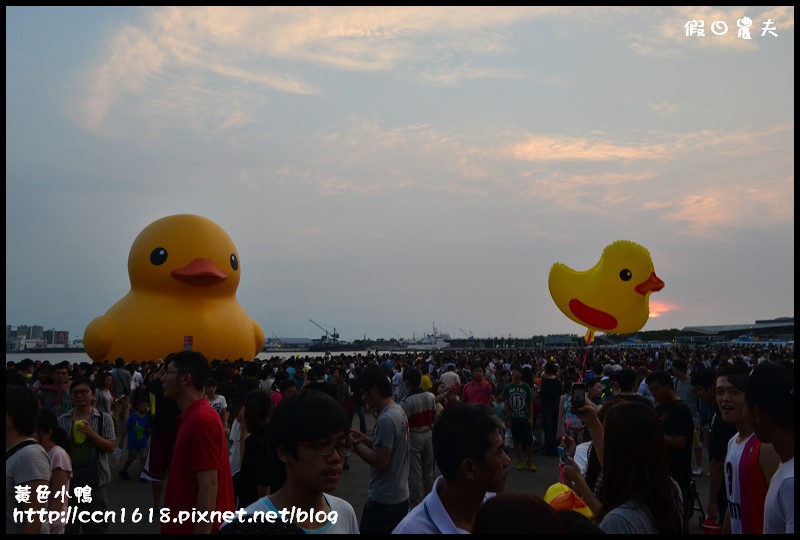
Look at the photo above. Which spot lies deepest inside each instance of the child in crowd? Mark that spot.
(218, 402)
(499, 406)
(137, 428)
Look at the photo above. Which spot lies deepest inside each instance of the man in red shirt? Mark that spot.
(478, 390)
(200, 477)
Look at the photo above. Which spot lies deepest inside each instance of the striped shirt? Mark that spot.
(420, 409)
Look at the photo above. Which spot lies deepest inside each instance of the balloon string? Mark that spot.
(564, 440)
(585, 354)
(589, 337)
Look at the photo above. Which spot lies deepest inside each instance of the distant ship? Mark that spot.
(51, 350)
(330, 345)
(433, 341)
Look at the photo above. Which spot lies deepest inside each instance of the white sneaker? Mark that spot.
(697, 471)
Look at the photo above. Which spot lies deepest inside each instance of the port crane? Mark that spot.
(470, 336)
(328, 335)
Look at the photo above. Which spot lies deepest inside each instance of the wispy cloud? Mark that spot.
(450, 76)
(559, 148)
(180, 64)
(593, 173)
(663, 108)
(706, 213)
(656, 145)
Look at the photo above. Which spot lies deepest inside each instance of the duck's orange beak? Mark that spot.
(200, 272)
(652, 284)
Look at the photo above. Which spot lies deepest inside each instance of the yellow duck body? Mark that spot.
(184, 271)
(613, 296)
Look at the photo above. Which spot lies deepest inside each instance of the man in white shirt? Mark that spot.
(468, 447)
(642, 389)
(450, 378)
(769, 411)
(397, 383)
(136, 377)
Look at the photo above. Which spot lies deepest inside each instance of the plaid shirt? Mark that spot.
(101, 458)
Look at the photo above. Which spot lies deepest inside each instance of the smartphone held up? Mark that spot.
(578, 396)
(562, 454)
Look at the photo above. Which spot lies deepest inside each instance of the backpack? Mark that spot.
(18, 447)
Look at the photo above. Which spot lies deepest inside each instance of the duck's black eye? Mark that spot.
(625, 274)
(158, 256)
(234, 261)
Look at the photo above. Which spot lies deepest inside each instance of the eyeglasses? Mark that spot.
(325, 449)
(81, 392)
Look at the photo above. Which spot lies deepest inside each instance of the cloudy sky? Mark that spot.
(384, 169)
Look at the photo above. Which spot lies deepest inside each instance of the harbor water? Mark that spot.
(78, 357)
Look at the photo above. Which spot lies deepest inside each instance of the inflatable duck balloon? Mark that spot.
(612, 296)
(562, 497)
(184, 272)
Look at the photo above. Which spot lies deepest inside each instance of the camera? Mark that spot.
(562, 453)
(578, 396)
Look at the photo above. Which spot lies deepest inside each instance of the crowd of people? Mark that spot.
(270, 434)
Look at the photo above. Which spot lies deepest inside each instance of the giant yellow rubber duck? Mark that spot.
(612, 296)
(184, 271)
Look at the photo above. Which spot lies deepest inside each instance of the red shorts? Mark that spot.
(159, 456)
